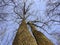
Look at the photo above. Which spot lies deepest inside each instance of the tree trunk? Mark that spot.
(23, 36)
(41, 39)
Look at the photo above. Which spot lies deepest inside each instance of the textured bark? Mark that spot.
(41, 39)
(23, 36)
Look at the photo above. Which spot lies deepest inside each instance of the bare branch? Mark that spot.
(3, 16)
(3, 3)
(55, 5)
(39, 27)
(17, 12)
(24, 9)
(28, 8)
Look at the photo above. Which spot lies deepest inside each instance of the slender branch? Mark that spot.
(3, 4)
(3, 15)
(39, 27)
(28, 8)
(17, 13)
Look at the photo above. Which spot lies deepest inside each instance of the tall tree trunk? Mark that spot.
(41, 39)
(23, 36)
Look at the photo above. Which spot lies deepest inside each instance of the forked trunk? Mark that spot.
(23, 36)
(41, 39)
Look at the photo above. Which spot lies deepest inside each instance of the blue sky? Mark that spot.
(11, 26)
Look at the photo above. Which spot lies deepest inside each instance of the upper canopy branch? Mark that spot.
(23, 8)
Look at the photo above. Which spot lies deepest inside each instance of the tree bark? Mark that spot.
(41, 39)
(23, 36)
